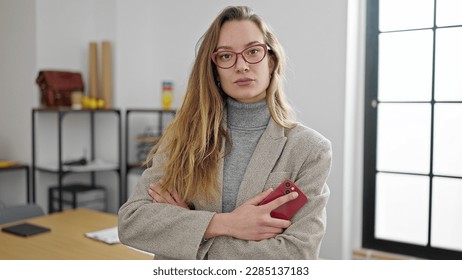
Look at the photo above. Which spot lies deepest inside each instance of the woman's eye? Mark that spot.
(253, 51)
(225, 56)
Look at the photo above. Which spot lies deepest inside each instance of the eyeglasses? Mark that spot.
(226, 59)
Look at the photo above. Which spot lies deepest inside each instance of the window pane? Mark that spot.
(447, 213)
(402, 205)
(403, 138)
(405, 14)
(448, 68)
(447, 151)
(405, 66)
(448, 12)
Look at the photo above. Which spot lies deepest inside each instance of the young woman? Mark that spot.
(233, 141)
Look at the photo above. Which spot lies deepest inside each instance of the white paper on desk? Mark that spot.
(109, 235)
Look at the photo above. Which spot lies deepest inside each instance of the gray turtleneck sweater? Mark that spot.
(246, 124)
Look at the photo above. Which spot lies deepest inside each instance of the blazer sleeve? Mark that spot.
(302, 240)
(166, 230)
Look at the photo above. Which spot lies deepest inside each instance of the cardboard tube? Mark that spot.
(93, 70)
(106, 74)
(76, 98)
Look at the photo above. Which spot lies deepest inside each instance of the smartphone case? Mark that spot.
(287, 210)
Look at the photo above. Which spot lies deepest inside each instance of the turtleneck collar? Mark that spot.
(247, 115)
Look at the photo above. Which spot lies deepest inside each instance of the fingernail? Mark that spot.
(295, 194)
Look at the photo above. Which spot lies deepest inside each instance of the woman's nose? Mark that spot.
(241, 64)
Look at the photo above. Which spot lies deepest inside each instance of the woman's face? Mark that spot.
(244, 82)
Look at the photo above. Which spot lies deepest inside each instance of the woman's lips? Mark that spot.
(244, 81)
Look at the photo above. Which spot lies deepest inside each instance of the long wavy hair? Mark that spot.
(192, 145)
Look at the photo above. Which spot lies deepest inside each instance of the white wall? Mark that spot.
(17, 91)
(17, 73)
(64, 29)
(155, 40)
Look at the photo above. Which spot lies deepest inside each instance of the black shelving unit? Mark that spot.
(160, 126)
(62, 170)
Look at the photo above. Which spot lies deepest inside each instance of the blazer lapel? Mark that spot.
(261, 164)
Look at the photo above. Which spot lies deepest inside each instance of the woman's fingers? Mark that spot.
(156, 197)
(281, 200)
(160, 196)
(259, 197)
(178, 200)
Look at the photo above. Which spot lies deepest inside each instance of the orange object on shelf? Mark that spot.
(8, 163)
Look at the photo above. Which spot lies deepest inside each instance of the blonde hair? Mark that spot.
(192, 143)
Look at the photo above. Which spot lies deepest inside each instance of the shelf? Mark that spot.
(96, 165)
(77, 195)
(9, 164)
(136, 165)
(67, 109)
(143, 141)
(148, 139)
(148, 110)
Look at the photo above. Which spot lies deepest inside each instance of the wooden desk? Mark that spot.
(66, 241)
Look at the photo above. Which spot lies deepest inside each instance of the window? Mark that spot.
(412, 202)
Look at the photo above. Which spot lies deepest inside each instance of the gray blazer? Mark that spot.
(172, 232)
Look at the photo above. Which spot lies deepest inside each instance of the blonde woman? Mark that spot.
(233, 141)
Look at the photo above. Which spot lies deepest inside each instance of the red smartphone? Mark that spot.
(287, 210)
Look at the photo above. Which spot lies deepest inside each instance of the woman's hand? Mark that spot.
(160, 196)
(251, 221)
